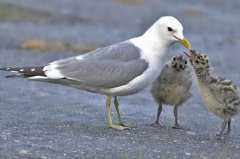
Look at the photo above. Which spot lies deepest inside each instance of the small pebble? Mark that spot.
(188, 153)
(23, 152)
(191, 133)
(43, 157)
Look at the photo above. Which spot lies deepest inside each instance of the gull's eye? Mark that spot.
(174, 58)
(170, 29)
(185, 62)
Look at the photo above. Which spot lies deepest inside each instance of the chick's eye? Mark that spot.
(170, 29)
(185, 62)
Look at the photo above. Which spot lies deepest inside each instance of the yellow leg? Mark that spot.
(109, 116)
(116, 104)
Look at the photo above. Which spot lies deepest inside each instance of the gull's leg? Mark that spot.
(228, 127)
(116, 104)
(156, 123)
(224, 124)
(175, 112)
(109, 116)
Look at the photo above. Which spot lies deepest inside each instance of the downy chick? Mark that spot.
(172, 87)
(220, 95)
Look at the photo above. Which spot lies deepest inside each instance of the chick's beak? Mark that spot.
(189, 55)
(184, 42)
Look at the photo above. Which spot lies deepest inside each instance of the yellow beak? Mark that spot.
(184, 42)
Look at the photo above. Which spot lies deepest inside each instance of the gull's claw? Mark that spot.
(155, 124)
(119, 127)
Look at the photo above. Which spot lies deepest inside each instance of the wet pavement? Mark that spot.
(41, 120)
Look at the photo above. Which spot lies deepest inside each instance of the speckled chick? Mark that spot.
(221, 96)
(172, 87)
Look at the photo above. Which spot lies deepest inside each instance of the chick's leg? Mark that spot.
(228, 127)
(156, 123)
(175, 112)
(223, 127)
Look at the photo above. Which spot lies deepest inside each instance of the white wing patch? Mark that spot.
(80, 57)
(52, 71)
(37, 77)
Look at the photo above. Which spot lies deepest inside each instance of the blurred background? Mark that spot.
(83, 25)
(39, 120)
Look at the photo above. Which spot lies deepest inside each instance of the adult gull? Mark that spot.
(121, 69)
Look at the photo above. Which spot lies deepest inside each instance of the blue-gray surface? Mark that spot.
(40, 120)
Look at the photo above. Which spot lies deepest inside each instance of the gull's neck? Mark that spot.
(151, 43)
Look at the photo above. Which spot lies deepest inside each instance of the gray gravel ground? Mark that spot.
(44, 121)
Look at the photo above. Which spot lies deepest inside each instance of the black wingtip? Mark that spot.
(9, 68)
(4, 68)
(14, 76)
(24, 71)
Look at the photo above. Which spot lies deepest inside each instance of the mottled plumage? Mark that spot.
(172, 87)
(221, 96)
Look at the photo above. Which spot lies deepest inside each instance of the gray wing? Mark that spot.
(124, 51)
(105, 68)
